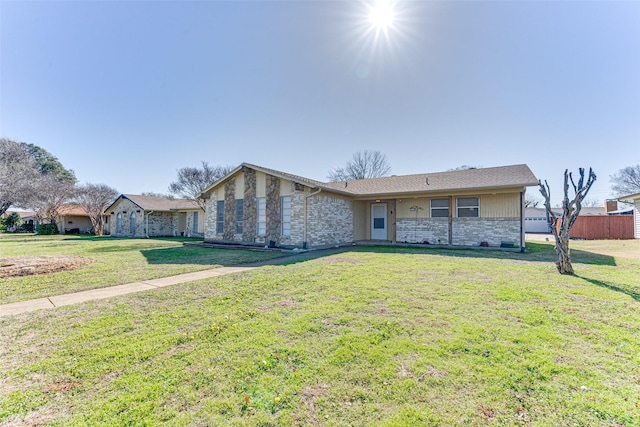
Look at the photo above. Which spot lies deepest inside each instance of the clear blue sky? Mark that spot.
(126, 93)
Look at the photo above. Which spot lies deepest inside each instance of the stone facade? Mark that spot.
(229, 210)
(432, 230)
(125, 208)
(159, 223)
(211, 211)
(330, 221)
(274, 225)
(473, 231)
(250, 219)
(162, 224)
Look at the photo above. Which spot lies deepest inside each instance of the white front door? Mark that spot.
(379, 221)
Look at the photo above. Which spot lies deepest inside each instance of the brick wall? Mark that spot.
(330, 221)
(473, 231)
(432, 230)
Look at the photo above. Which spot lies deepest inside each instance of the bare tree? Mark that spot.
(94, 199)
(464, 168)
(51, 193)
(363, 164)
(154, 194)
(18, 171)
(531, 202)
(591, 203)
(192, 182)
(561, 226)
(626, 180)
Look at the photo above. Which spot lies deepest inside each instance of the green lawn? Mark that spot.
(116, 261)
(369, 337)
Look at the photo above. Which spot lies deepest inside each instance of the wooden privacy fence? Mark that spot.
(602, 227)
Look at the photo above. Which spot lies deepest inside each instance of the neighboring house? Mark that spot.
(535, 221)
(29, 220)
(635, 199)
(254, 205)
(72, 219)
(149, 216)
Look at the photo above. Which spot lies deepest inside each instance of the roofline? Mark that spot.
(629, 198)
(444, 190)
(282, 175)
(118, 198)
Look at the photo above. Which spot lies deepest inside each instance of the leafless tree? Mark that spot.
(626, 180)
(591, 203)
(18, 171)
(153, 194)
(192, 182)
(94, 199)
(531, 202)
(464, 168)
(51, 193)
(561, 226)
(363, 164)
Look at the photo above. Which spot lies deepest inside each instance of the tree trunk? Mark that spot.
(564, 256)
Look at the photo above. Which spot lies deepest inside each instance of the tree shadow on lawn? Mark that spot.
(633, 294)
(209, 256)
(536, 252)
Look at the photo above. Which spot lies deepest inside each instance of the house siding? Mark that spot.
(330, 221)
(473, 231)
(420, 230)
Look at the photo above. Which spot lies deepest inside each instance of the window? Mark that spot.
(195, 222)
(220, 217)
(439, 208)
(262, 216)
(468, 207)
(119, 223)
(239, 215)
(132, 223)
(286, 215)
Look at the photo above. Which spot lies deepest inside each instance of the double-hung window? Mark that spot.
(220, 217)
(262, 216)
(286, 215)
(439, 208)
(239, 215)
(468, 207)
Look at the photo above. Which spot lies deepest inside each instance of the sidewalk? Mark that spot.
(129, 288)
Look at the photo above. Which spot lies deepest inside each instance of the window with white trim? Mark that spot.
(220, 217)
(439, 208)
(132, 223)
(262, 215)
(286, 215)
(239, 215)
(468, 207)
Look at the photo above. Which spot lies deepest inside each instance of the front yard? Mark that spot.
(110, 262)
(372, 336)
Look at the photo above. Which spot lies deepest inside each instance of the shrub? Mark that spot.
(47, 229)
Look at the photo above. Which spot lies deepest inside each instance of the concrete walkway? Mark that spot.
(129, 288)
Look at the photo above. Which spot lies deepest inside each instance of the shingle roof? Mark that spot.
(72, 209)
(471, 179)
(496, 177)
(154, 203)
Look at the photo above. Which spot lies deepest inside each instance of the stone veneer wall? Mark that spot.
(432, 230)
(273, 210)
(126, 205)
(250, 219)
(161, 224)
(330, 221)
(229, 210)
(190, 223)
(472, 231)
(211, 211)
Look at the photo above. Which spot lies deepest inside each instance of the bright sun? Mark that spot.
(381, 14)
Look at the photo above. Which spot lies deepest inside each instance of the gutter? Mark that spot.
(306, 210)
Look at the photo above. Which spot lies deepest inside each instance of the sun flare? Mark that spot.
(381, 14)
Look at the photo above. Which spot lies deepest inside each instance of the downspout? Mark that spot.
(306, 209)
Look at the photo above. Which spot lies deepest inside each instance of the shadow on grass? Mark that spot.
(208, 256)
(539, 252)
(632, 294)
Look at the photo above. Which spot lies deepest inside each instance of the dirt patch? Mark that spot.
(30, 265)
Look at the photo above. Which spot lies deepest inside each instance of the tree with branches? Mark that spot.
(18, 171)
(626, 180)
(94, 199)
(192, 182)
(561, 226)
(363, 164)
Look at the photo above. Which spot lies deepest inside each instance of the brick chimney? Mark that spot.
(610, 206)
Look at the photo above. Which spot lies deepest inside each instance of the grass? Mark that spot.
(369, 337)
(117, 261)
